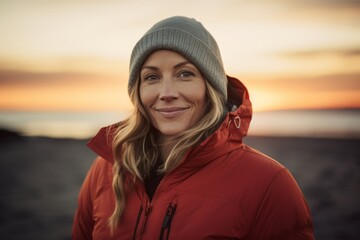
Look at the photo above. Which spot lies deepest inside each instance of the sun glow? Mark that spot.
(74, 56)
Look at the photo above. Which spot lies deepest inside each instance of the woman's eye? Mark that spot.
(151, 77)
(186, 74)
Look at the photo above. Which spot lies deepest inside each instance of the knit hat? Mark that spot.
(187, 37)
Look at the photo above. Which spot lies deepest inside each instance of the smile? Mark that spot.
(171, 112)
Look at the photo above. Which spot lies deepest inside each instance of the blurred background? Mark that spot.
(63, 75)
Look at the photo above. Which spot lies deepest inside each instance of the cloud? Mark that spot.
(329, 3)
(324, 4)
(335, 82)
(341, 82)
(335, 13)
(354, 52)
(11, 78)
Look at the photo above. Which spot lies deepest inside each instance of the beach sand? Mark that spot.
(41, 177)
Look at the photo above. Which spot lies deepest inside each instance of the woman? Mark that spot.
(177, 167)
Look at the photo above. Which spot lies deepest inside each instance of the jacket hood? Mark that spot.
(231, 132)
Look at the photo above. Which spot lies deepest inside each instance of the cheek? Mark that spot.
(146, 95)
(196, 94)
(200, 100)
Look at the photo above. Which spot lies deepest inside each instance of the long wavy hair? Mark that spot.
(136, 147)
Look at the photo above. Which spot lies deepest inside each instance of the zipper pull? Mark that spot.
(146, 214)
(170, 212)
(168, 216)
(148, 208)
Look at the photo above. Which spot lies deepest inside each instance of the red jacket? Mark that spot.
(222, 190)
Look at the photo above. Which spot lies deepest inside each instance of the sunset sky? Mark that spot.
(73, 55)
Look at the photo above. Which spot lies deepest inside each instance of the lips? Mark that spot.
(171, 112)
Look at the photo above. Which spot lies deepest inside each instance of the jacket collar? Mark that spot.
(230, 133)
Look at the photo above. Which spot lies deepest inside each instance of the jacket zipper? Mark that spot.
(146, 212)
(170, 212)
(137, 222)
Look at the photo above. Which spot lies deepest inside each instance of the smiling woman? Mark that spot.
(179, 159)
(172, 91)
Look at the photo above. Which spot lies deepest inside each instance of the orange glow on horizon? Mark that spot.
(262, 100)
(65, 99)
(113, 96)
(65, 92)
(65, 56)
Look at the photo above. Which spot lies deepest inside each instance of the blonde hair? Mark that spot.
(136, 148)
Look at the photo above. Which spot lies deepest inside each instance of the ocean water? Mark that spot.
(340, 123)
(77, 125)
(343, 123)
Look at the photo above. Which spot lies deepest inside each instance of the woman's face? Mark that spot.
(173, 92)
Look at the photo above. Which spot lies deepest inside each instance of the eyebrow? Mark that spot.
(176, 66)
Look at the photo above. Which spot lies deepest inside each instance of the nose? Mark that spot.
(168, 90)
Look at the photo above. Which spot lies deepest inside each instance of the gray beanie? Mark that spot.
(187, 37)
